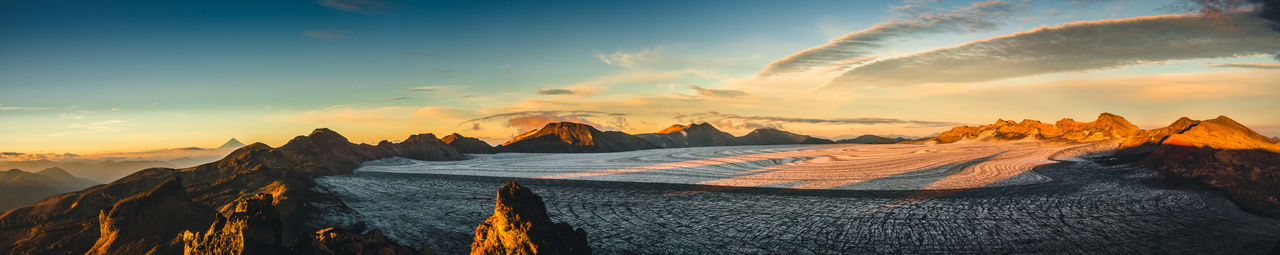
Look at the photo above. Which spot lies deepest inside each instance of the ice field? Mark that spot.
(952, 198)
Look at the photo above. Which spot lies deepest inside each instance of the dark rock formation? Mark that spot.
(469, 145)
(150, 222)
(565, 137)
(875, 139)
(693, 135)
(520, 225)
(334, 241)
(252, 227)
(769, 136)
(69, 223)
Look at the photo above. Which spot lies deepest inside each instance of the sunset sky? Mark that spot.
(113, 76)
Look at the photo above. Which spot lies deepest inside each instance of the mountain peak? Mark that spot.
(231, 144)
(673, 129)
(56, 172)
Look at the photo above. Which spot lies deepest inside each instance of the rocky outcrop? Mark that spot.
(251, 227)
(1106, 127)
(520, 225)
(469, 145)
(69, 223)
(875, 139)
(769, 136)
(693, 135)
(333, 241)
(148, 223)
(569, 137)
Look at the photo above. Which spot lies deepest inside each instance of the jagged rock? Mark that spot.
(568, 137)
(693, 135)
(520, 225)
(148, 223)
(769, 136)
(253, 227)
(465, 144)
(334, 241)
(1106, 127)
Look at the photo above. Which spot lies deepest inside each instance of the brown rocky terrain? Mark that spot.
(769, 136)
(470, 145)
(1218, 152)
(693, 135)
(569, 137)
(520, 225)
(74, 222)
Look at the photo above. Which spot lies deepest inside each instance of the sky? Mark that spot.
(93, 77)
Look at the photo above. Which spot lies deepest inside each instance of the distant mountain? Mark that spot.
(468, 145)
(105, 219)
(875, 139)
(693, 135)
(1219, 152)
(97, 170)
(565, 137)
(19, 188)
(230, 145)
(769, 136)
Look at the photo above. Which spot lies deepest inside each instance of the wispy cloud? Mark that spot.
(718, 92)
(437, 88)
(1245, 65)
(401, 98)
(362, 6)
(745, 121)
(554, 92)
(15, 108)
(328, 34)
(523, 121)
(96, 127)
(912, 19)
(1073, 47)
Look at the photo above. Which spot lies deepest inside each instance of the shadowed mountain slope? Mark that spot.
(769, 136)
(71, 222)
(565, 137)
(693, 135)
(19, 188)
(470, 145)
(875, 139)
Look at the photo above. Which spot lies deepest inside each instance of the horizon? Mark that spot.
(103, 78)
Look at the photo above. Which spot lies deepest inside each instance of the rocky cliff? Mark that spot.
(520, 225)
(1106, 127)
(569, 137)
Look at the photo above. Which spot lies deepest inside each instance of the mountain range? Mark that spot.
(19, 188)
(1220, 152)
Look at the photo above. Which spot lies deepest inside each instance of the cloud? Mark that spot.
(1073, 47)
(438, 88)
(96, 127)
(912, 20)
(328, 34)
(554, 92)
(719, 92)
(21, 156)
(361, 6)
(401, 98)
(524, 121)
(735, 121)
(1245, 65)
(15, 108)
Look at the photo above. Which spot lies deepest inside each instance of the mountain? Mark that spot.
(1219, 152)
(1106, 127)
(469, 145)
(693, 135)
(19, 188)
(520, 225)
(97, 170)
(875, 139)
(77, 222)
(569, 137)
(769, 136)
(230, 145)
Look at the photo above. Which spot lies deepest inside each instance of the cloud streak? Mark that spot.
(719, 92)
(1073, 47)
(914, 19)
(523, 121)
(1245, 65)
(750, 122)
(554, 92)
(361, 6)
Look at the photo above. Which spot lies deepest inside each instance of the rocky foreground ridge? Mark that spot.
(104, 219)
(520, 225)
(1219, 152)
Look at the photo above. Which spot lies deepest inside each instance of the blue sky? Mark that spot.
(94, 76)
